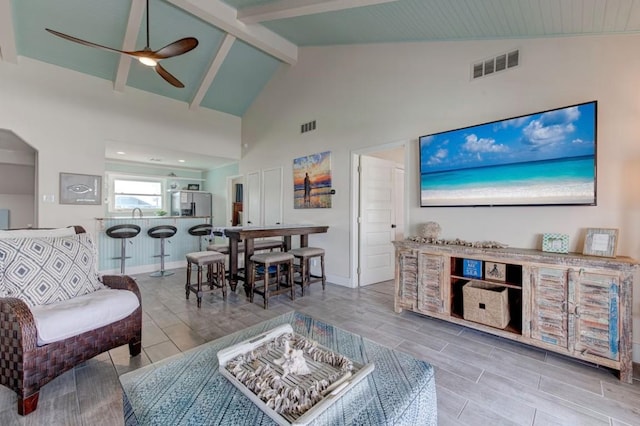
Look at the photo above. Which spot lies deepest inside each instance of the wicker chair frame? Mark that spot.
(25, 367)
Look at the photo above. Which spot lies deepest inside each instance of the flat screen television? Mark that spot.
(545, 158)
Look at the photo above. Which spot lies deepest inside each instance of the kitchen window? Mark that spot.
(128, 193)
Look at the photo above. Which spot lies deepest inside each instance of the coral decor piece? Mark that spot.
(457, 242)
(430, 230)
(292, 361)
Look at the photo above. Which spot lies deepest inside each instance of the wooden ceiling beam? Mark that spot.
(283, 9)
(130, 37)
(214, 67)
(8, 50)
(224, 17)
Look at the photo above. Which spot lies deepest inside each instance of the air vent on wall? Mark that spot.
(307, 127)
(496, 64)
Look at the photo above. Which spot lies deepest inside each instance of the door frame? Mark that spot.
(354, 254)
(230, 197)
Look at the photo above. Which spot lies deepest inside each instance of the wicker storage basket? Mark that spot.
(486, 303)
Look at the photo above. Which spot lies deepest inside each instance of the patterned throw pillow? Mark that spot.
(41, 271)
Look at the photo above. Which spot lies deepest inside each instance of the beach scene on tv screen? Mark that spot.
(542, 158)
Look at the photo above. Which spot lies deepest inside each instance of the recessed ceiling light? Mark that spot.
(121, 153)
(180, 161)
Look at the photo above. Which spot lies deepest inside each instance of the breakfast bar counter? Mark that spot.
(142, 248)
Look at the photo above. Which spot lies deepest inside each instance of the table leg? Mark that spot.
(248, 252)
(287, 242)
(304, 240)
(233, 263)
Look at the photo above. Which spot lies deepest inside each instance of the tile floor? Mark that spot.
(481, 379)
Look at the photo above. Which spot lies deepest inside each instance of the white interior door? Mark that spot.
(398, 203)
(251, 210)
(272, 192)
(376, 258)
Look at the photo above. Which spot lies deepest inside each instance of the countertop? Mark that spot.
(153, 217)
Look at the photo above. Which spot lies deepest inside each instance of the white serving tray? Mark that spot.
(341, 386)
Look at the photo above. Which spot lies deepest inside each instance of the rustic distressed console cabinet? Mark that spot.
(571, 304)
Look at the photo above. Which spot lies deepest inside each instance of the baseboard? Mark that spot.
(144, 269)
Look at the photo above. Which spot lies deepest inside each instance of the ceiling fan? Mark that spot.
(146, 56)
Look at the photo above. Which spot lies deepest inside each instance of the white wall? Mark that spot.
(216, 183)
(68, 116)
(369, 95)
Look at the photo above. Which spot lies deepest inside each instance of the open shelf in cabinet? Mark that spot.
(513, 283)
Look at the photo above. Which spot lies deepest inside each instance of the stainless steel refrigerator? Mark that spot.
(191, 203)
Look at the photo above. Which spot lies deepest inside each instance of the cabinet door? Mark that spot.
(407, 291)
(430, 278)
(549, 318)
(596, 314)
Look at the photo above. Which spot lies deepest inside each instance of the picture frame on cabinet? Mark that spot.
(494, 271)
(601, 242)
(555, 243)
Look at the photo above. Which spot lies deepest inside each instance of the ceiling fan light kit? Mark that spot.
(145, 56)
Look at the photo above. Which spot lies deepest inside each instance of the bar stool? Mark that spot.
(123, 232)
(215, 278)
(200, 231)
(163, 232)
(304, 255)
(266, 260)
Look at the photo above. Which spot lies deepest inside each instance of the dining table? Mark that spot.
(248, 234)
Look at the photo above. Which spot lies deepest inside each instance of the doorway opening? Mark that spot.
(379, 211)
(18, 182)
(235, 196)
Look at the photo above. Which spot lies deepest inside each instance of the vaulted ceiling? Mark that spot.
(243, 42)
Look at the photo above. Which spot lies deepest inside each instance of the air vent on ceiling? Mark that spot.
(307, 127)
(496, 64)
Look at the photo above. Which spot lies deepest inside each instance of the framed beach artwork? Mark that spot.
(545, 158)
(312, 181)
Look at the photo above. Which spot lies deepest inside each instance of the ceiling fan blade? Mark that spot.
(176, 48)
(167, 76)
(84, 42)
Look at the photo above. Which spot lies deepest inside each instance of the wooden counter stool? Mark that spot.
(123, 232)
(266, 260)
(162, 232)
(214, 262)
(304, 256)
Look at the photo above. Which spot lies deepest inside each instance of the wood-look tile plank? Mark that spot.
(505, 344)
(490, 363)
(432, 342)
(152, 335)
(582, 381)
(569, 411)
(605, 406)
(99, 398)
(502, 404)
(161, 351)
(450, 404)
(475, 414)
(183, 337)
(442, 360)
